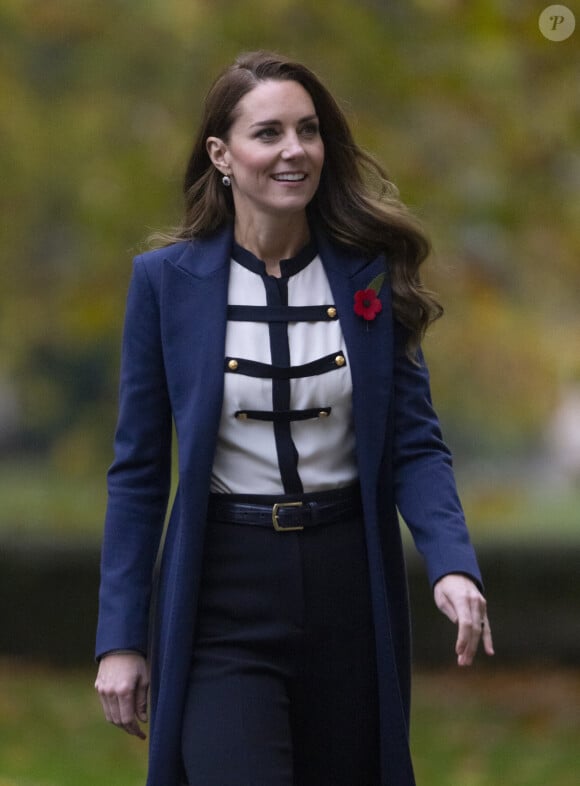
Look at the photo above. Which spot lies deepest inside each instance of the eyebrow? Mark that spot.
(279, 122)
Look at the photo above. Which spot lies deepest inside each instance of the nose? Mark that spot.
(293, 148)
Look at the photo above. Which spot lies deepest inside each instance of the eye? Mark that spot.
(269, 132)
(310, 129)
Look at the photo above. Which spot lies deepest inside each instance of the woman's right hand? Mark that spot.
(122, 684)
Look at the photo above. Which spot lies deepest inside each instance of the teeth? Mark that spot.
(291, 177)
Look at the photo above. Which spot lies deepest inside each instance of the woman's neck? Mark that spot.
(272, 241)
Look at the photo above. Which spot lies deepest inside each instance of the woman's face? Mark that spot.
(274, 152)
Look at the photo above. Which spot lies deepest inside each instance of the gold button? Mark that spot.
(339, 360)
(232, 365)
(323, 414)
(331, 312)
(242, 415)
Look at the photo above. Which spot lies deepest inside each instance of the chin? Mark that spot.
(292, 203)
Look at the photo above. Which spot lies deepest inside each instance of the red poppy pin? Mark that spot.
(366, 301)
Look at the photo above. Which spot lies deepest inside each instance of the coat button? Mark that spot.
(323, 414)
(339, 360)
(242, 415)
(232, 365)
(331, 312)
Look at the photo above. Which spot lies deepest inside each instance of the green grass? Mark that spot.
(52, 733)
(516, 728)
(470, 728)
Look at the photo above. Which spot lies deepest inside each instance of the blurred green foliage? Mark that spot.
(474, 113)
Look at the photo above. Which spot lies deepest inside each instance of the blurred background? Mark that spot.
(476, 116)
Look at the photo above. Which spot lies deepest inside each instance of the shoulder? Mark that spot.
(198, 257)
(157, 256)
(149, 267)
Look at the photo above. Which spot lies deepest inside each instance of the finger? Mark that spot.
(109, 703)
(456, 608)
(113, 714)
(102, 698)
(469, 632)
(119, 709)
(127, 697)
(480, 630)
(134, 729)
(467, 642)
(105, 705)
(124, 717)
(487, 638)
(141, 700)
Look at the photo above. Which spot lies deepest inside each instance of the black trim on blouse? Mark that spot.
(277, 313)
(325, 313)
(288, 267)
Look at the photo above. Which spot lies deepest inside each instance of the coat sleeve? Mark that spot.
(425, 489)
(139, 477)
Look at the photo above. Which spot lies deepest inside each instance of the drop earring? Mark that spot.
(226, 180)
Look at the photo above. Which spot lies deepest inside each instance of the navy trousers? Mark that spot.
(283, 688)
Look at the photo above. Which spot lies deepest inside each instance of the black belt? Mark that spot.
(286, 513)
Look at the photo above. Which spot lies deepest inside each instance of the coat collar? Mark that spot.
(205, 256)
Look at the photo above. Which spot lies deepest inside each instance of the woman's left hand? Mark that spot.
(460, 600)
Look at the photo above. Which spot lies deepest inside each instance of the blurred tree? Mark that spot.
(474, 113)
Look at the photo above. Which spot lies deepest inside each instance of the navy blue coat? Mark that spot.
(172, 370)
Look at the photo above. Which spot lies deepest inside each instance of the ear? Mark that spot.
(217, 150)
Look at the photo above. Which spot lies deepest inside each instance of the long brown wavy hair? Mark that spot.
(356, 204)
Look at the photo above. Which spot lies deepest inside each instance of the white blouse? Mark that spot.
(292, 433)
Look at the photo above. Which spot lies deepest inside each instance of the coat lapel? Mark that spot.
(370, 347)
(195, 291)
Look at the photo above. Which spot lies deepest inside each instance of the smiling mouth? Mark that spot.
(290, 177)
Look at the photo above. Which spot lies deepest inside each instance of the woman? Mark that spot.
(279, 330)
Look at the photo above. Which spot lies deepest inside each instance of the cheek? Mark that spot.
(320, 161)
(318, 157)
(251, 161)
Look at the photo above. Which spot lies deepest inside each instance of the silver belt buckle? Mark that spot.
(276, 507)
